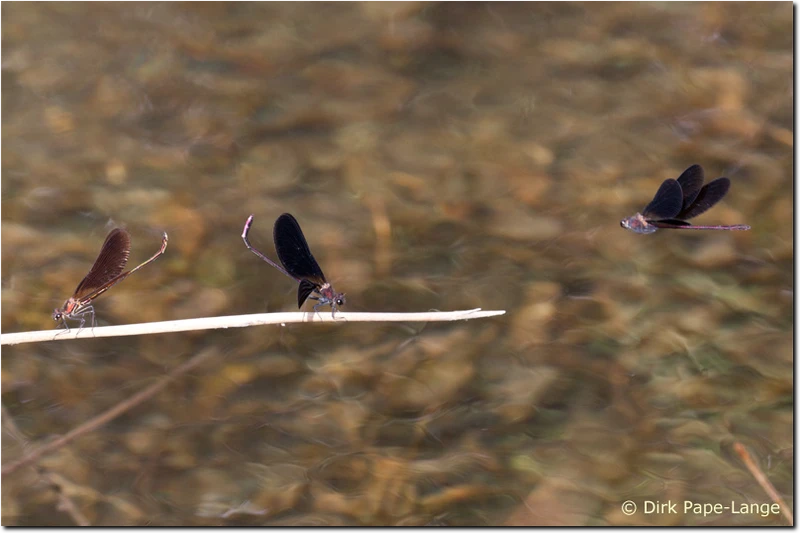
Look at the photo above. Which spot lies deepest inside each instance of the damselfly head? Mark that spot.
(638, 224)
(339, 299)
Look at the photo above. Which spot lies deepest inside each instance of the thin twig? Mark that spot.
(765, 483)
(239, 321)
(65, 503)
(108, 415)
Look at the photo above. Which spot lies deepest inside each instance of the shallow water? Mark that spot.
(437, 156)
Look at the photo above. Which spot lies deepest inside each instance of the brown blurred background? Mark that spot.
(438, 156)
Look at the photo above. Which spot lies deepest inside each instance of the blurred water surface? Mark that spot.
(438, 156)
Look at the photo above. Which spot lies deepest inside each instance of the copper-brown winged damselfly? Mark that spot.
(104, 274)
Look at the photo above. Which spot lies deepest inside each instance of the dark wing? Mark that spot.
(293, 250)
(666, 203)
(304, 291)
(691, 181)
(708, 196)
(108, 265)
(669, 223)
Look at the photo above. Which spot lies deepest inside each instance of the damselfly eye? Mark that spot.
(339, 301)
